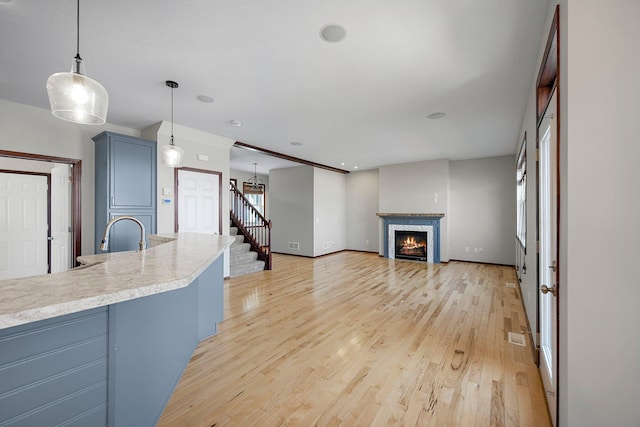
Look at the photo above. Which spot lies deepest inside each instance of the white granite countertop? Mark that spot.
(173, 261)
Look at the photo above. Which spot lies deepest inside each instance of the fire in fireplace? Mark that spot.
(411, 245)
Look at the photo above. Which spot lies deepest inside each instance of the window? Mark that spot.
(255, 195)
(521, 194)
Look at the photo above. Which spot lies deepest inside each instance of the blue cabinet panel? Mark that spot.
(210, 299)
(125, 235)
(67, 410)
(53, 370)
(151, 341)
(125, 184)
(132, 173)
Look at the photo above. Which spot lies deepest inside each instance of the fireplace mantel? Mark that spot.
(423, 215)
(406, 221)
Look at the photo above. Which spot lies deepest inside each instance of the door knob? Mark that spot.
(545, 290)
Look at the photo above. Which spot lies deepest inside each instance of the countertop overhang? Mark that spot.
(173, 262)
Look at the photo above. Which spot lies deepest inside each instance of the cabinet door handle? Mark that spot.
(113, 201)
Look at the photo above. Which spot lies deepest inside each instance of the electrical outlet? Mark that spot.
(466, 248)
(475, 250)
(480, 250)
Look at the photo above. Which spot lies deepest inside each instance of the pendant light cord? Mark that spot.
(172, 85)
(172, 143)
(78, 29)
(78, 58)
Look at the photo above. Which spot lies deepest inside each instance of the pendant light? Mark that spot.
(73, 96)
(255, 181)
(171, 154)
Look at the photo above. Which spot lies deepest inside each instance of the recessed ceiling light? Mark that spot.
(235, 122)
(205, 99)
(355, 167)
(332, 33)
(437, 115)
(296, 143)
(342, 163)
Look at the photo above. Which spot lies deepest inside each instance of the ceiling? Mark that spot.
(363, 101)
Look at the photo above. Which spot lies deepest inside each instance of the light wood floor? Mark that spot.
(353, 339)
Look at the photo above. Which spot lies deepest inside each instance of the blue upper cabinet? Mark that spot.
(132, 173)
(125, 179)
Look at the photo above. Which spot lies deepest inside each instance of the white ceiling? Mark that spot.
(363, 101)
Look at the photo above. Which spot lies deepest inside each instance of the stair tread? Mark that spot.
(240, 248)
(243, 257)
(246, 268)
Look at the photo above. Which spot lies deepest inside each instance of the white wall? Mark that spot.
(600, 206)
(529, 277)
(362, 206)
(12, 164)
(291, 194)
(329, 211)
(411, 188)
(193, 142)
(34, 130)
(482, 209)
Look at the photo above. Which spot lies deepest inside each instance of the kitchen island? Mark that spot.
(105, 344)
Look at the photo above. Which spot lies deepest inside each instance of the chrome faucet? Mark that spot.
(104, 245)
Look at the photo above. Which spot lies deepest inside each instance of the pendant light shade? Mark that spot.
(73, 96)
(171, 155)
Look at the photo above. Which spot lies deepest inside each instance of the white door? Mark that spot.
(60, 218)
(548, 255)
(198, 202)
(23, 225)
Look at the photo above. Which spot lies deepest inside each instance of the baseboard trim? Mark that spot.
(534, 352)
(480, 262)
(327, 254)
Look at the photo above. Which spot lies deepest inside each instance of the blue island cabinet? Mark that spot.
(125, 184)
(111, 366)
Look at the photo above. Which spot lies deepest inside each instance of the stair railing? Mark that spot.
(250, 222)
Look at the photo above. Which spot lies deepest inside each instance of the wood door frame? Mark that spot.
(175, 192)
(48, 176)
(548, 83)
(76, 194)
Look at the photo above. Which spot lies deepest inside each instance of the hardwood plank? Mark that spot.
(355, 339)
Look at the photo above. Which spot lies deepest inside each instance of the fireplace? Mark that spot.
(425, 229)
(411, 245)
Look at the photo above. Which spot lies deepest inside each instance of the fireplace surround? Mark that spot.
(416, 222)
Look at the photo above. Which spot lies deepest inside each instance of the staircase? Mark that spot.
(242, 259)
(252, 249)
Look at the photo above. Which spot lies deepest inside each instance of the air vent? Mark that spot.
(294, 245)
(511, 285)
(517, 339)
